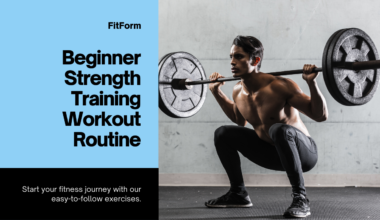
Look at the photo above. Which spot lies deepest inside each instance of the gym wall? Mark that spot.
(293, 33)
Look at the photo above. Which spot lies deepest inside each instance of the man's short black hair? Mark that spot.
(252, 46)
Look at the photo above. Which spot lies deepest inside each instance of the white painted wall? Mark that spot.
(293, 33)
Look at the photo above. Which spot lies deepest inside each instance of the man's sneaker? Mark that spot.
(300, 206)
(230, 200)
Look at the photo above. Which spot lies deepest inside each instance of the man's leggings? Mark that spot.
(294, 152)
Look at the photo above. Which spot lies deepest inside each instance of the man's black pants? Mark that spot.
(294, 152)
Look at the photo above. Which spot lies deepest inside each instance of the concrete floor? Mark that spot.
(270, 203)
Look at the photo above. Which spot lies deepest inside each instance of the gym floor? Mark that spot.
(270, 203)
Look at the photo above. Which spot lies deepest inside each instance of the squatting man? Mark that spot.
(280, 140)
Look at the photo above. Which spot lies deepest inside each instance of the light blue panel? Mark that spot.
(33, 90)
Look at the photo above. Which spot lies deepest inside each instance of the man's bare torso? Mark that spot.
(266, 107)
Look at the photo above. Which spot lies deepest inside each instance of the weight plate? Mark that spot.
(350, 87)
(160, 102)
(328, 82)
(335, 92)
(163, 58)
(181, 103)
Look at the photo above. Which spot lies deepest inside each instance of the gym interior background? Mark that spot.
(293, 33)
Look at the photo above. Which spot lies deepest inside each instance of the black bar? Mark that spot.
(357, 66)
(208, 81)
(282, 73)
(291, 72)
(20, 199)
(365, 65)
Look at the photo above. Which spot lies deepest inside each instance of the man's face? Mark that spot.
(241, 64)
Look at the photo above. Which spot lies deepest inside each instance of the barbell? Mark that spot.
(350, 65)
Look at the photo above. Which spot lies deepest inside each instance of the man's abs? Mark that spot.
(264, 110)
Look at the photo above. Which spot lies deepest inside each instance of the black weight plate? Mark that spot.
(181, 103)
(324, 62)
(330, 71)
(352, 87)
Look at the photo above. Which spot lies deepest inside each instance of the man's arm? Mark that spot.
(314, 106)
(228, 106)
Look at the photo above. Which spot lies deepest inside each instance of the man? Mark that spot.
(280, 140)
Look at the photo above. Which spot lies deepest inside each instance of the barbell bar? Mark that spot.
(350, 65)
(356, 66)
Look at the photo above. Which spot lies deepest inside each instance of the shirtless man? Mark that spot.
(280, 140)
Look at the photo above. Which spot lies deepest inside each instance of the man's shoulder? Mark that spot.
(283, 85)
(236, 89)
(280, 81)
(238, 85)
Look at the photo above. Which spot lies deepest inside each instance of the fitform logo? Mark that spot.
(123, 25)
